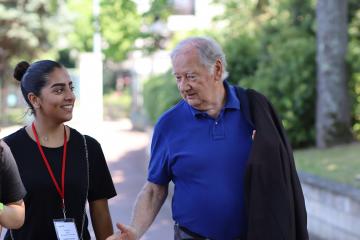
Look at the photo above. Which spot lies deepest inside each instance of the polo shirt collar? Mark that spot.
(232, 101)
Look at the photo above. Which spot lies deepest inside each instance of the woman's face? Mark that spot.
(56, 100)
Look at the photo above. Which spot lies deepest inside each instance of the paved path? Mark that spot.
(127, 152)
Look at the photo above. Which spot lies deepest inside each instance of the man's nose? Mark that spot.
(184, 85)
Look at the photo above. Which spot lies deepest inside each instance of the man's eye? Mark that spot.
(191, 77)
(60, 90)
(72, 88)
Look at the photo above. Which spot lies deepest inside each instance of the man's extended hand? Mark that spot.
(126, 233)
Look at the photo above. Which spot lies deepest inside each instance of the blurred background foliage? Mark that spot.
(271, 47)
(119, 24)
(61, 30)
(26, 31)
(277, 58)
(160, 93)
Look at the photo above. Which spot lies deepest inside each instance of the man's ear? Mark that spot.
(218, 70)
(34, 100)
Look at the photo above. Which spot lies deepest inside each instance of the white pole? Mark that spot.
(91, 79)
(97, 35)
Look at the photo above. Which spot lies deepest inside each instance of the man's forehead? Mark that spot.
(184, 73)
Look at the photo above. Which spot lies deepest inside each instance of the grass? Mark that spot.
(340, 163)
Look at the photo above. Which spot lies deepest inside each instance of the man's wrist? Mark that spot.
(136, 231)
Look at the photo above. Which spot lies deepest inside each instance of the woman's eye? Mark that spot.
(72, 88)
(59, 90)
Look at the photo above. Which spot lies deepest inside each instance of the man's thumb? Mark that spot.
(122, 227)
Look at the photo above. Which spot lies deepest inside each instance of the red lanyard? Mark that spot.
(61, 190)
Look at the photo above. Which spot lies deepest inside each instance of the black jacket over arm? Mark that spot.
(273, 195)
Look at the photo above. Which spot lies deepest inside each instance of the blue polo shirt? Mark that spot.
(206, 159)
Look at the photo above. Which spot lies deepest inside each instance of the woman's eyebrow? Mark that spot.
(59, 85)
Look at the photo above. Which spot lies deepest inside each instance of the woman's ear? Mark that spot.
(34, 100)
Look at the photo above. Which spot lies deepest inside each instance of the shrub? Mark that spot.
(280, 63)
(160, 93)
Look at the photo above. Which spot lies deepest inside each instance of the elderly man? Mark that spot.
(229, 184)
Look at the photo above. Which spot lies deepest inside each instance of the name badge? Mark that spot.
(66, 229)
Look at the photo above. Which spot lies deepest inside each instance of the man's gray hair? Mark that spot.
(209, 51)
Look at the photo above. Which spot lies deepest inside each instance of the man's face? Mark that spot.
(194, 81)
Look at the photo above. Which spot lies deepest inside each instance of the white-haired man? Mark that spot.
(229, 184)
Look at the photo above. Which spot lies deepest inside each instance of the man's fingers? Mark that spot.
(127, 232)
(122, 227)
(114, 237)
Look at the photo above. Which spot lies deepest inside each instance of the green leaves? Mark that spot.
(119, 26)
(23, 31)
(268, 51)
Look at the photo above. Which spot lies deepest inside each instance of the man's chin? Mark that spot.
(194, 104)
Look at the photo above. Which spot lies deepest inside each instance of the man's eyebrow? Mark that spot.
(174, 73)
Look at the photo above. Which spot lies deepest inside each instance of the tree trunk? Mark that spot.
(333, 108)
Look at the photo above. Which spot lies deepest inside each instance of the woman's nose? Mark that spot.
(70, 95)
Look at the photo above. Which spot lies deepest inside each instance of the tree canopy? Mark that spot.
(24, 34)
(119, 26)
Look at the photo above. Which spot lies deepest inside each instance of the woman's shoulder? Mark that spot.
(79, 136)
(92, 142)
(17, 137)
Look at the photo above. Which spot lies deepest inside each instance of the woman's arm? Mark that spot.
(101, 220)
(13, 215)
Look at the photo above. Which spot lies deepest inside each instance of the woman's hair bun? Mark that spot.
(20, 70)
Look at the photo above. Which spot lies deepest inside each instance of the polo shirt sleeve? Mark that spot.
(159, 171)
(12, 189)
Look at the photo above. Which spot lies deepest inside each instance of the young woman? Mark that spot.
(60, 168)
